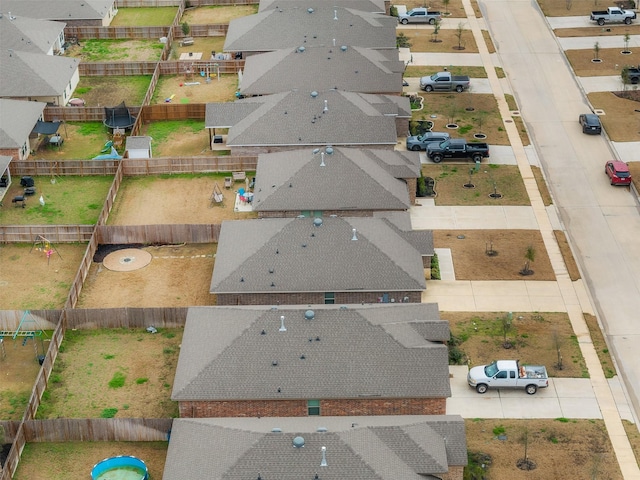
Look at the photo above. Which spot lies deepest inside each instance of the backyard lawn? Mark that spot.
(216, 14)
(116, 50)
(181, 88)
(144, 16)
(68, 201)
(109, 91)
(82, 141)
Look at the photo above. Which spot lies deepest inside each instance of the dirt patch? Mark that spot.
(179, 199)
(568, 8)
(567, 255)
(560, 448)
(451, 180)
(216, 14)
(176, 88)
(454, 7)
(471, 261)
(128, 373)
(542, 186)
(634, 437)
(634, 168)
(183, 141)
(29, 281)
(533, 338)
(600, 345)
(614, 30)
(19, 369)
(621, 120)
(178, 276)
(421, 40)
(611, 63)
(74, 460)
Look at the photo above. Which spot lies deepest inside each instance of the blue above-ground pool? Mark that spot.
(120, 468)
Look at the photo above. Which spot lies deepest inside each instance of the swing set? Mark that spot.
(41, 244)
(28, 328)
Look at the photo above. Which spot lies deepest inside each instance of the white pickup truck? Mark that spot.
(508, 374)
(612, 15)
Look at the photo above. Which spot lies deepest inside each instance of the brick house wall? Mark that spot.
(412, 186)
(298, 408)
(402, 126)
(301, 298)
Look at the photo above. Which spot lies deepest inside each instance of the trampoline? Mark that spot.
(118, 117)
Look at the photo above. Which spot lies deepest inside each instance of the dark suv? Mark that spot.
(590, 124)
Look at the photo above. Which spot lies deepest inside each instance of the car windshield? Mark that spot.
(491, 369)
(434, 76)
(593, 120)
(622, 174)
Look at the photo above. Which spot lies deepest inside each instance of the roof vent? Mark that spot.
(343, 48)
(301, 49)
(302, 357)
(263, 332)
(335, 14)
(317, 222)
(323, 463)
(329, 150)
(282, 327)
(326, 106)
(322, 164)
(241, 279)
(274, 363)
(355, 237)
(315, 150)
(309, 315)
(298, 442)
(321, 429)
(271, 270)
(314, 94)
(309, 10)
(276, 430)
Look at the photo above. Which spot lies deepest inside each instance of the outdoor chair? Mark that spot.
(228, 182)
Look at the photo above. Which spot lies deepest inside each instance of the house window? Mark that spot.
(306, 213)
(313, 407)
(329, 298)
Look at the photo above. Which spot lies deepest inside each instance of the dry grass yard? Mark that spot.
(471, 260)
(633, 29)
(216, 14)
(621, 118)
(569, 8)
(612, 61)
(447, 41)
(176, 88)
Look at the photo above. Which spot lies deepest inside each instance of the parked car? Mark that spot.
(631, 75)
(457, 148)
(444, 81)
(420, 142)
(590, 123)
(618, 172)
(613, 15)
(419, 15)
(508, 374)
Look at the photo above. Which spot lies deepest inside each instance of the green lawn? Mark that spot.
(68, 201)
(144, 16)
(111, 90)
(120, 50)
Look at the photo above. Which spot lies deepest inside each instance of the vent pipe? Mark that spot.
(335, 14)
(322, 164)
(326, 106)
(355, 237)
(282, 327)
(323, 463)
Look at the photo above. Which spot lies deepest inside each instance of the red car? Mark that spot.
(618, 172)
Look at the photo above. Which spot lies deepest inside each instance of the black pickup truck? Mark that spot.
(457, 148)
(631, 75)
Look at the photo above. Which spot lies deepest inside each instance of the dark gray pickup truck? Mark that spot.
(457, 148)
(631, 75)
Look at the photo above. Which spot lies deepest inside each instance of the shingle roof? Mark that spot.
(228, 353)
(26, 74)
(357, 448)
(138, 143)
(28, 34)
(348, 179)
(308, 258)
(363, 5)
(352, 69)
(17, 119)
(292, 26)
(301, 118)
(59, 9)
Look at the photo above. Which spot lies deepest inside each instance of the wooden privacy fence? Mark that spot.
(45, 319)
(126, 317)
(111, 196)
(98, 430)
(163, 234)
(80, 114)
(134, 166)
(113, 33)
(81, 274)
(175, 3)
(104, 69)
(55, 233)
